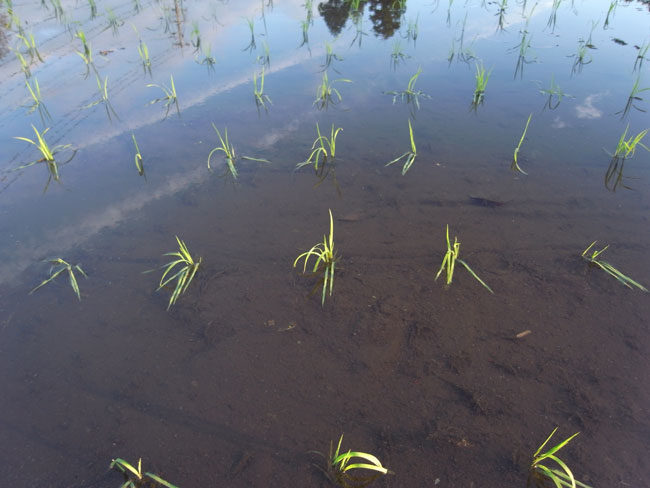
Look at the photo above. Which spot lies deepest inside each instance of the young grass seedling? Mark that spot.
(114, 22)
(397, 55)
(87, 54)
(608, 268)
(552, 20)
(24, 65)
(555, 95)
(229, 153)
(330, 56)
(342, 466)
(181, 270)
(139, 164)
(624, 149)
(143, 51)
(195, 37)
(265, 58)
(325, 256)
(412, 30)
(251, 27)
(481, 79)
(208, 60)
(38, 104)
(409, 155)
(410, 95)
(501, 14)
(633, 97)
(641, 55)
(169, 98)
(47, 154)
(103, 92)
(30, 45)
(581, 58)
(322, 147)
(260, 97)
(540, 473)
(515, 164)
(449, 263)
(326, 90)
(610, 11)
(58, 267)
(134, 477)
(93, 9)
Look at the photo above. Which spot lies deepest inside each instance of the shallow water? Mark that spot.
(247, 374)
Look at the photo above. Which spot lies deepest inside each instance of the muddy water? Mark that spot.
(247, 375)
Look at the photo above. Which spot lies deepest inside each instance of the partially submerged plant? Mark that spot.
(184, 268)
(641, 55)
(251, 27)
(114, 22)
(410, 95)
(58, 267)
(481, 77)
(330, 56)
(138, 157)
(169, 98)
(540, 473)
(515, 164)
(103, 92)
(87, 54)
(47, 154)
(143, 51)
(634, 97)
(449, 263)
(342, 467)
(208, 59)
(397, 55)
(326, 90)
(134, 477)
(38, 104)
(30, 44)
(322, 147)
(325, 256)
(594, 260)
(624, 149)
(229, 153)
(409, 155)
(555, 95)
(260, 97)
(581, 58)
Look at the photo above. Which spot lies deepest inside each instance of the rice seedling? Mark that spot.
(57, 267)
(330, 56)
(555, 95)
(397, 55)
(134, 477)
(24, 66)
(641, 55)
(593, 260)
(180, 270)
(195, 36)
(93, 9)
(357, 20)
(139, 164)
(304, 29)
(539, 473)
(325, 264)
(323, 147)
(260, 97)
(251, 27)
(38, 104)
(610, 12)
(412, 30)
(581, 58)
(552, 20)
(230, 154)
(633, 97)
(47, 154)
(409, 155)
(143, 51)
(523, 46)
(114, 22)
(208, 59)
(137, 6)
(264, 58)
(87, 54)
(515, 164)
(354, 4)
(59, 13)
(30, 44)
(449, 12)
(169, 98)
(481, 78)
(326, 90)
(449, 263)
(501, 14)
(410, 95)
(103, 98)
(627, 147)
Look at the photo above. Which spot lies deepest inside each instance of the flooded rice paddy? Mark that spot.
(253, 370)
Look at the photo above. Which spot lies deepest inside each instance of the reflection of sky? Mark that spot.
(600, 90)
